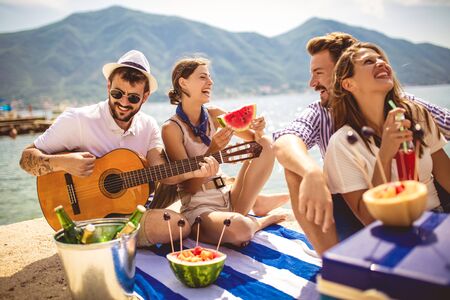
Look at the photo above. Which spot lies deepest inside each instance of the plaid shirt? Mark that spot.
(314, 125)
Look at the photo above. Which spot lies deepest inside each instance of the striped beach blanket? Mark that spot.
(277, 264)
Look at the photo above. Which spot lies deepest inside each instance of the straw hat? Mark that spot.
(136, 60)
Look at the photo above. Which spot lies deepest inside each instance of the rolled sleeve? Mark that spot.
(441, 115)
(306, 126)
(63, 135)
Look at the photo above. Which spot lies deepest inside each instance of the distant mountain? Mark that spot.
(415, 64)
(63, 60)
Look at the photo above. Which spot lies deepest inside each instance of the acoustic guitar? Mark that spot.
(120, 181)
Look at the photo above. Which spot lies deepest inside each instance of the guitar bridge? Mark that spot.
(72, 194)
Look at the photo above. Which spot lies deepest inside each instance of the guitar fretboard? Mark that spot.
(158, 172)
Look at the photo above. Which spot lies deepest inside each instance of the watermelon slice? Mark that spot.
(200, 273)
(238, 120)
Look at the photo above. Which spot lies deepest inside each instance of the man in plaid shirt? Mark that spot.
(311, 200)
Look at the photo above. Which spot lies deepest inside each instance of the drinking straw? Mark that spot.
(402, 163)
(419, 135)
(392, 104)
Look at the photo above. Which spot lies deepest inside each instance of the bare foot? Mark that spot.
(269, 220)
(267, 202)
(263, 222)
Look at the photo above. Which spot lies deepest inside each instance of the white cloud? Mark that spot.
(421, 2)
(372, 8)
(59, 4)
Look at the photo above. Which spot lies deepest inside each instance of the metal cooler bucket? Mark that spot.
(101, 270)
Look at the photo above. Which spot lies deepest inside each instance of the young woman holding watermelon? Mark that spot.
(194, 130)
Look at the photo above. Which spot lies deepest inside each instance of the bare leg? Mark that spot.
(252, 177)
(154, 228)
(267, 202)
(241, 230)
(321, 241)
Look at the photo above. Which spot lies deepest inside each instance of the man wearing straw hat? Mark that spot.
(117, 122)
(311, 200)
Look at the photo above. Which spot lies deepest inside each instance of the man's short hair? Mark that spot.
(336, 43)
(130, 75)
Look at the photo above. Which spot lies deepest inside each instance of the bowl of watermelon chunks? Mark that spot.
(397, 203)
(197, 267)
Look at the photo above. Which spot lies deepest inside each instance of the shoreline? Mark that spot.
(30, 266)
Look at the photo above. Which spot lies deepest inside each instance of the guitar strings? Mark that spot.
(142, 175)
(127, 179)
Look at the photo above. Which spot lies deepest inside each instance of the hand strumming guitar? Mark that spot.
(77, 163)
(38, 163)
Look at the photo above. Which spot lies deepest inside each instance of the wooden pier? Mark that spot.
(22, 125)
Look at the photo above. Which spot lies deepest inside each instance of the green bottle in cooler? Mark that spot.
(72, 234)
(136, 217)
(133, 221)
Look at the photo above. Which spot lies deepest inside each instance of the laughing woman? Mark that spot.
(193, 131)
(364, 83)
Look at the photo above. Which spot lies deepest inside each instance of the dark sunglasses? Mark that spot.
(118, 94)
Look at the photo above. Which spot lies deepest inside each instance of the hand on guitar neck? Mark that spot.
(208, 168)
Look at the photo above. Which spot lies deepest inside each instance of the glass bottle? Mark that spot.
(72, 234)
(135, 218)
(127, 229)
(88, 234)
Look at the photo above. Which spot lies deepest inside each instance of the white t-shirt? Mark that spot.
(344, 176)
(93, 129)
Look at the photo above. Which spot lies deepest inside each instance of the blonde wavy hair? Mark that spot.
(345, 109)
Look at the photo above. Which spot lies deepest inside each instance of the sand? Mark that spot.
(30, 267)
(29, 264)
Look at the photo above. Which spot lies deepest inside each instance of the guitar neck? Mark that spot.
(158, 172)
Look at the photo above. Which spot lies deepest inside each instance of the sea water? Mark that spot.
(18, 196)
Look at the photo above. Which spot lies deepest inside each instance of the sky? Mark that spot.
(413, 20)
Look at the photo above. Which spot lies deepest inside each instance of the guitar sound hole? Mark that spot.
(113, 183)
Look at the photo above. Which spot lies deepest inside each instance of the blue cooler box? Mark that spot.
(378, 261)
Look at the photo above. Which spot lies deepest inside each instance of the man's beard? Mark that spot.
(114, 108)
(322, 89)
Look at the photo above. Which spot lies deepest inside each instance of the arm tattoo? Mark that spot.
(35, 165)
